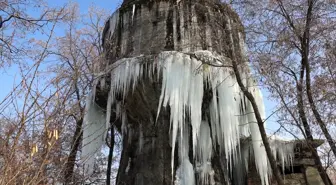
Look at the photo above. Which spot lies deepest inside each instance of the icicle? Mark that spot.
(244, 127)
(261, 160)
(240, 169)
(133, 12)
(110, 100)
(204, 154)
(283, 149)
(224, 111)
(113, 22)
(93, 133)
(141, 138)
(185, 172)
(128, 165)
(204, 146)
(182, 90)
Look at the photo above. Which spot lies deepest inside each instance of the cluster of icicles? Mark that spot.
(184, 78)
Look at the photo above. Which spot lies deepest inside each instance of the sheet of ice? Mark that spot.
(94, 128)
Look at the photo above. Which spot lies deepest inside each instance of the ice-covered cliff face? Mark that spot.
(186, 48)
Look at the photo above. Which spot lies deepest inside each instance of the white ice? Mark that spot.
(94, 128)
(184, 77)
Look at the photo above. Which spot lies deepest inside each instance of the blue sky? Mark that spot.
(9, 75)
(85, 4)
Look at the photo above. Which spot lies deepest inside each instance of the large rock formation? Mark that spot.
(167, 86)
(146, 28)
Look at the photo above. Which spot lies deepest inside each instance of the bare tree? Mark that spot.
(18, 26)
(79, 51)
(287, 42)
(56, 74)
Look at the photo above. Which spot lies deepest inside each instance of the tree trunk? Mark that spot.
(317, 115)
(110, 157)
(70, 164)
(307, 129)
(271, 158)
(305, 67)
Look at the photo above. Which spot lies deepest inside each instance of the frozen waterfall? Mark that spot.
(185, 76)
